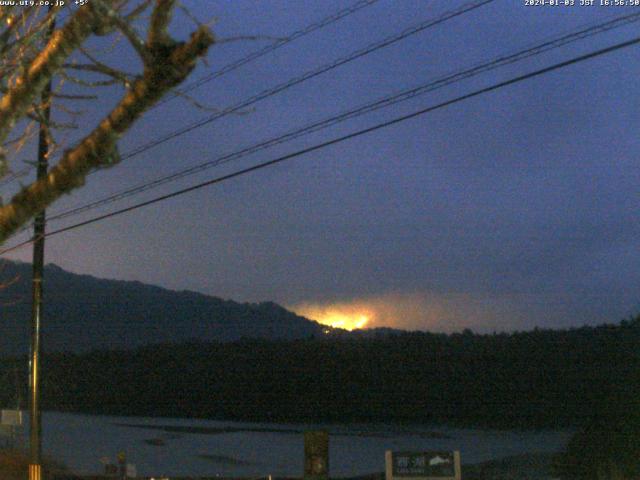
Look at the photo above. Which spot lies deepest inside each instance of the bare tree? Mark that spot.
(29, 59)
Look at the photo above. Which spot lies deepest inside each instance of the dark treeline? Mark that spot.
(536, 379)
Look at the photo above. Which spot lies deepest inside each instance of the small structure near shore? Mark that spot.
(10, 428)
(423, 465)
(316, 455)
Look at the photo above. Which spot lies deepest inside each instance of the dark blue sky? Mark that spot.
(515, 209)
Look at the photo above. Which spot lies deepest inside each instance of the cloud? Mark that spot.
(449, 312)
(438, 312)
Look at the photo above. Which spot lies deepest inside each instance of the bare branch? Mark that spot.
(136, 12)
(98, 149)
(87, 83)
(29, 85)
(7, 283)
(160, 18)
(36, 117)
(14, 175)
(194, 102)
(69, 111)
(134, 39)
(103, 69)
(19, 139)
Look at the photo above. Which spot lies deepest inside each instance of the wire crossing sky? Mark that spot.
(506, 210)
(414, 29)
(334, 141)
(243, 61)
(385, 102)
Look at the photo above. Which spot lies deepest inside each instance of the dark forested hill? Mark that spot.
(541, 378)
(127, 348)
(84, 312)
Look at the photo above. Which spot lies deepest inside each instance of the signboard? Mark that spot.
(131, 471)
(12, 418)
(434, 465)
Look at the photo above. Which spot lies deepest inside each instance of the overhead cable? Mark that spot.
(343, 138)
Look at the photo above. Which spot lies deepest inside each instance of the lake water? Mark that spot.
(161, 446)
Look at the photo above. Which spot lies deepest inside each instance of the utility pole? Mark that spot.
(35, 421)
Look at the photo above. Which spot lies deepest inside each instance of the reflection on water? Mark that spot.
(161, 446)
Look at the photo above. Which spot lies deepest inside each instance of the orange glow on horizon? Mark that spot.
(347, 317)
(431, 311)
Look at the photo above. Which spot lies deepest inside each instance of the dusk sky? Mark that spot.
(508, 211)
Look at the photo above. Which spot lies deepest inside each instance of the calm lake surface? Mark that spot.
(162, 446)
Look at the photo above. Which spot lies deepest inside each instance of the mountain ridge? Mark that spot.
(83, 312)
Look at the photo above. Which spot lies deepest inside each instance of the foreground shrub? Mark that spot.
(609, 446)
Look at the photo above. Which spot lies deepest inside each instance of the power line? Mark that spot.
(14, 176)
(340, 14)
(272, 91)
(432, 85)
(307, 76)
(310, 74)
(270, 48)
(343, 138)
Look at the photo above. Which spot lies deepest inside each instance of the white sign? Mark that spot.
(438, 465)
(131, 471)
(12, 418)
